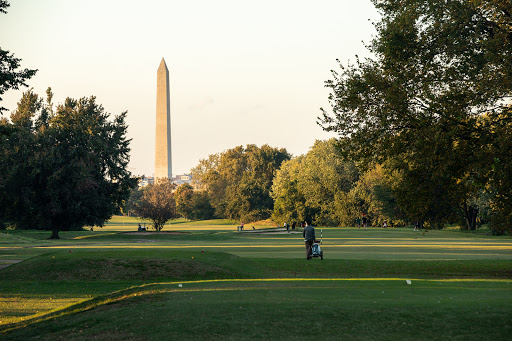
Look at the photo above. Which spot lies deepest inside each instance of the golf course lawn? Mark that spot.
(205, 280)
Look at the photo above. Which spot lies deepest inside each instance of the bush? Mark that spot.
(501, 224)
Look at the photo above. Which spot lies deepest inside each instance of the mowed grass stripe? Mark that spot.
(239, 245)
(366, 279)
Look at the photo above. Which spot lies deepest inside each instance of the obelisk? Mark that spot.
(163, 161)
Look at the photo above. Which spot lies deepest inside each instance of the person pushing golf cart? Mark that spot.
(312, 246)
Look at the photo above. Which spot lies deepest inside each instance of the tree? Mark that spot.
(10, 76)
(289, 201)
(134, 199)
(325, 179)
(184, 200)
(202, 208)
(438, 67)
(238, 180)
(158, 204)
(314, 186)
(63, 170)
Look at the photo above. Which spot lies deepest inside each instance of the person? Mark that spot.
(309, 238)
(140, 228)
(294, 224)
(241, 226)
(287, 226)
(365, 221)
(358, 223)
(385, 225)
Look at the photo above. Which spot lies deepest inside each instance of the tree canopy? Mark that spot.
(238, 180)
(64, 169)
(433, 102)
(314, 186)
(158, 203)
(11, 77)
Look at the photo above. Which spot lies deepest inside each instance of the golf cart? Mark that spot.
(316, 251)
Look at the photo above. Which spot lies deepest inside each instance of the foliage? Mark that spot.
(314, 186)
(289, 200)
(10, 76)
(158, 203)
(62, 170)
(202, 207)
(372, 195)
(238, 181)
(438, 68)
(184, 200)
(134, 199)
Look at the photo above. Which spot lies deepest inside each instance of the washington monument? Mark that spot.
(163, 161)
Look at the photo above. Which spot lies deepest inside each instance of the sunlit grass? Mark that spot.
(69, 275)
(17, 308)
(396, 307)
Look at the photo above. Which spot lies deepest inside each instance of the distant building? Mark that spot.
(182, 179)
(178, 180)
(146, 180)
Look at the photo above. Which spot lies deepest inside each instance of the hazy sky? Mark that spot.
(241, 72)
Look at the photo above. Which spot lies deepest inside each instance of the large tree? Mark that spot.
(158, 204)
(314, 186)
(238, 180)
(184, 200)
(65, 169)
(11, 77)
(437, 69)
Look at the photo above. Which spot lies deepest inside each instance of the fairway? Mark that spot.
(206, 280)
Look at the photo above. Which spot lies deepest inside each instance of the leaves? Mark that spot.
(158, 204)
(438, 68)
(67, 171)
(238, 180)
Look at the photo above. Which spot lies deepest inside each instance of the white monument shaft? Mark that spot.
(163, 159)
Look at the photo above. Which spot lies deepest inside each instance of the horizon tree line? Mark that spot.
(424, 133)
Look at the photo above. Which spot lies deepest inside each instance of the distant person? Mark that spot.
(309, 238)
(358, 223)
(385, 225)
(364, 221)
(140, 228)
(241, 226)
(287, 226)
(294, 224)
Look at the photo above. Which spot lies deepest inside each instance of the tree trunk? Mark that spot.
(55, 233)
(470, 215)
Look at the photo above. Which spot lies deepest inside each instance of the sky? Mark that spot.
(241, 72)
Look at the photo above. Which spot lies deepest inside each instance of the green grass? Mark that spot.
(119, 285)
(357, 310)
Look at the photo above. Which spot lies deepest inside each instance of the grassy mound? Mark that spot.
(113, 265)
(162, 264)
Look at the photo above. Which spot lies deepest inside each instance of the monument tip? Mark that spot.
(162, 64)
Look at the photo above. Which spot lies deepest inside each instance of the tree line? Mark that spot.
(424, 129)
(424, 135)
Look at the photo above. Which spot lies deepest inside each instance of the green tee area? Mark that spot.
(205, 280)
